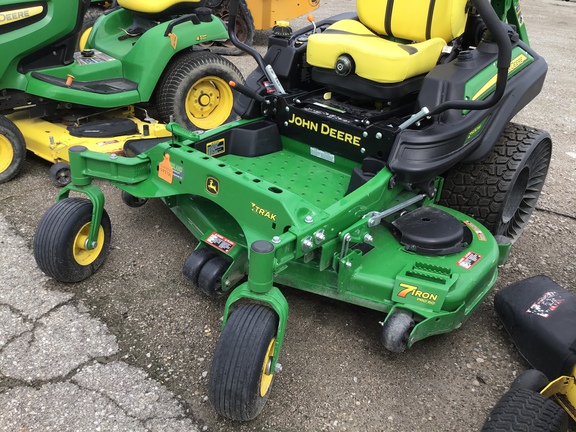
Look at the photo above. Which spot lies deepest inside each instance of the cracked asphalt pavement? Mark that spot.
(130, 348)
(59, 365)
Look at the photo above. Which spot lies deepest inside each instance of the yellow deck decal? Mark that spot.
(11, 16)
(514, 64)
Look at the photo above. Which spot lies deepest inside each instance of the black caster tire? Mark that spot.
(530, 379)
(60, 174)
(132, 201)
(59, 242)
(522, 410)
(240, 379)
(502, 191)
(195, 262)
(194, 91)
(396, 331)
(210, 276)
(12, 150)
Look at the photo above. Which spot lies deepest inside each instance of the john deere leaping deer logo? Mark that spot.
(212, 186)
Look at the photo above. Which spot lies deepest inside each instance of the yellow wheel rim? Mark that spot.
(266, 379)
(6, 153)
(82, 255)
(209, 102)
(84, 38)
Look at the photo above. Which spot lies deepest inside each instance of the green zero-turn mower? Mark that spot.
(374, 163)
(140, 52)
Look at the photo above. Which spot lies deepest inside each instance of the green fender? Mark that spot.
(145, 58)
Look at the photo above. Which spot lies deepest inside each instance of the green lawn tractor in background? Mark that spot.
(145, 60)
(374, 163)
(252, 15)
(540, 317)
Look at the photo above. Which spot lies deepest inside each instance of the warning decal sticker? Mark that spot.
(220, 242)
(216, 147)
(468, 260)
(546, 304)
(477, 230)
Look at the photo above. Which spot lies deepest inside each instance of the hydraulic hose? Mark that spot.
(500, 35)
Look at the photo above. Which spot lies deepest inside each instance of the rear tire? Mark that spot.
(502, 191)
(522, 410)
(12, 150)
(194, 91)
(239, 382)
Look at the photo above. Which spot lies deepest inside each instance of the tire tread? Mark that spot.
(527, 411)
(53, 233)
(236, 369)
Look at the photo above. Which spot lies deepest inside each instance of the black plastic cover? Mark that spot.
(105, 128)
(431, 231)
(540, 317)
(135, 147)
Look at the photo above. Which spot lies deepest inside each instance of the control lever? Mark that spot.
(310, 19)
(267, 69)
(246, 91)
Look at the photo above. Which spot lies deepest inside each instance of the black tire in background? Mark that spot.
(12, 150)
(530, 379)
(245, 28)
(523, 410)
(59, 239)
(131, 200)
(90, 17)
(59, 174)
(502, 191)
(239, 386)
(194, 90)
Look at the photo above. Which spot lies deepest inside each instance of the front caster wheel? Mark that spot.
(133, 201)
(396, 331)
(60, 247)
(60, 174)
(240, 379)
